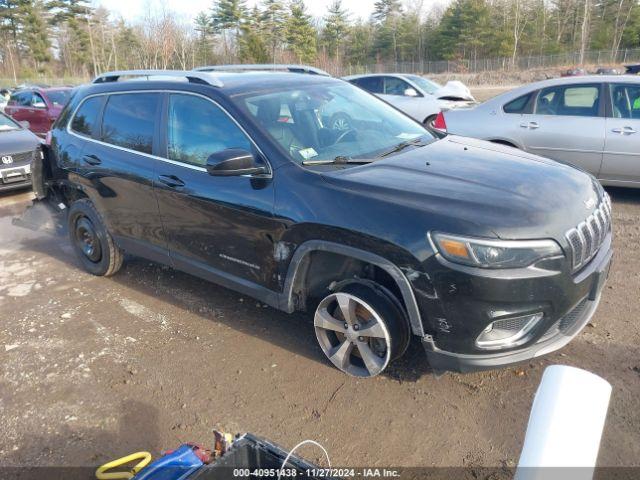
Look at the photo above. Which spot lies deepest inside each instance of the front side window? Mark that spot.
(129, 120)
(571, 100)
(198, 128)
(625, 100)
(395, 86)
(85, 119)
(330, 120)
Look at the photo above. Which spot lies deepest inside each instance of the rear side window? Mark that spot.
(197, 128)
(21, 99)
(85, 120)
(519, 105)
(129, 120)
(370, 84)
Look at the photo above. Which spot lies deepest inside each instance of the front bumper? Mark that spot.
(574, 321)
(556, 336)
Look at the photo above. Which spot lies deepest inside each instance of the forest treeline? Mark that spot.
(70, 38)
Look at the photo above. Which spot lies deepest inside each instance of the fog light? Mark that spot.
(508, 332)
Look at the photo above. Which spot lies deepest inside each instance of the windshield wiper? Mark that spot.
(418, 142)
(339, 160)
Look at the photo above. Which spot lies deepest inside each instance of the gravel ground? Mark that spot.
(94, 368)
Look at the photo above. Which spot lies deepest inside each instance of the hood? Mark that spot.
(454, 90)
(17, 141)
(479, 184)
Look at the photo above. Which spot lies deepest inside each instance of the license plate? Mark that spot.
(14, 174)
(598, 282)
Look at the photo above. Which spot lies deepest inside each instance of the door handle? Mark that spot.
(530, 125)
(171, 181)
(91, 160)
(626, 130)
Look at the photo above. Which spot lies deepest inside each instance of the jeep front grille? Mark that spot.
(586, 239)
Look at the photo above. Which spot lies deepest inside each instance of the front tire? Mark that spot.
(91, 241)
(361, 329)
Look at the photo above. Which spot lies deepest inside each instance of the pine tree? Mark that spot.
(300, 33)
(227, 17)
(272, 25)
(35, 34)
(72, 20)
(251, 47)
(205, 32)
(335, 29)
(384, 9)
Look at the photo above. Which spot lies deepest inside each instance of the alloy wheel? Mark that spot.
(352, 335)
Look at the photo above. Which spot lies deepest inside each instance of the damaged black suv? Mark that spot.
(487, 254)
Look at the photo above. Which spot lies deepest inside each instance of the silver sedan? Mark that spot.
(592, 122)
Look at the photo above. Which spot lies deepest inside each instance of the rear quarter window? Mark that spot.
(86, 118)
(519, 105)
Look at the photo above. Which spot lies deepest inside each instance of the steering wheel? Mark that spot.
(344, 134)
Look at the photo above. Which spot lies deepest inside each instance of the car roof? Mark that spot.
(552, 82)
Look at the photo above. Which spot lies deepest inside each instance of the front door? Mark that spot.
(621, 161)
(567, 124)
(216, 227)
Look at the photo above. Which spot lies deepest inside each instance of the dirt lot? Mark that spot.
(94, 368)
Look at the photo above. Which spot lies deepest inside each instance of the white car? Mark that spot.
(416, 96)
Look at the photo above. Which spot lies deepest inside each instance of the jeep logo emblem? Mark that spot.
(590, 203)
(7, 159)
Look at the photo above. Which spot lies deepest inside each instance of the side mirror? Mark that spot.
(233, 162)
(410, 92)
(24, 124)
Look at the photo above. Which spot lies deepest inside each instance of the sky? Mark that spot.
(134, 9)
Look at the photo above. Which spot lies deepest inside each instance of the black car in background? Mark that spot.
(487, 255)
(18, 146)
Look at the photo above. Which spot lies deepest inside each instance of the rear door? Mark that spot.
(621, 161)
(118, 168)
(216, 227)
(567, 124)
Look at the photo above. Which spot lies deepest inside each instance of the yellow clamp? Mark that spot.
(144, 457)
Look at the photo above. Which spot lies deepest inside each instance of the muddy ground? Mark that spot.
(94, 368)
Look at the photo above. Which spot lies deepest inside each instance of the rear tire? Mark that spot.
(91, 240)
(361, 329)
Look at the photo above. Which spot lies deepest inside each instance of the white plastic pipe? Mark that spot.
(565, 425)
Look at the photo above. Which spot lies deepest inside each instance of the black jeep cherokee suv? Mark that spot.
(488, 254)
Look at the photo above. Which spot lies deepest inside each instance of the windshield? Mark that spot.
(7, 124)
(428, 86)
(327, 121)
(59, 97)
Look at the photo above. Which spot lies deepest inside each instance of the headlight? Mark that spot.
(478, 252)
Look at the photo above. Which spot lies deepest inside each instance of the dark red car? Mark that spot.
(38, 106)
